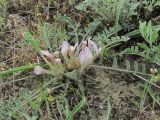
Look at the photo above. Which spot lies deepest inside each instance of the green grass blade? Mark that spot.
(76, 109)
(108, 111)
(18, 69)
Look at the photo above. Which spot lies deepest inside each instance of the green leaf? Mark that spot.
(143, 46)
(35, 104)
(28, 38)
(153, 36)
(155, 78)
(142, 28)
(71, 2)
(1, 21)
(83, 5)
(148, 29)
(148, 32)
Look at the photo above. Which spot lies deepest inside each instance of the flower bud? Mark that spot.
(71, 51)
(56, 54)
(58, 61)
(64, 49)
(38, 70)
(47, 54)
(85, 57)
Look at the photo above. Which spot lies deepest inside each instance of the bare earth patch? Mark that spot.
(120, 89)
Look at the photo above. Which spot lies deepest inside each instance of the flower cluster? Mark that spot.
(69, 57)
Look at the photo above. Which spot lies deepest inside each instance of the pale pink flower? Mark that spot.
(85, 57)
(65, 48)
(92, 45)
(89, 51)
(94, 48)
(84, 44)
(74, 56)
(47, 54)
(38, 70)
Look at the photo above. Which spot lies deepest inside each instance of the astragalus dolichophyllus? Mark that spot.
(69, 58)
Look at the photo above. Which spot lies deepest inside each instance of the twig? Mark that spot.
(146, 80)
